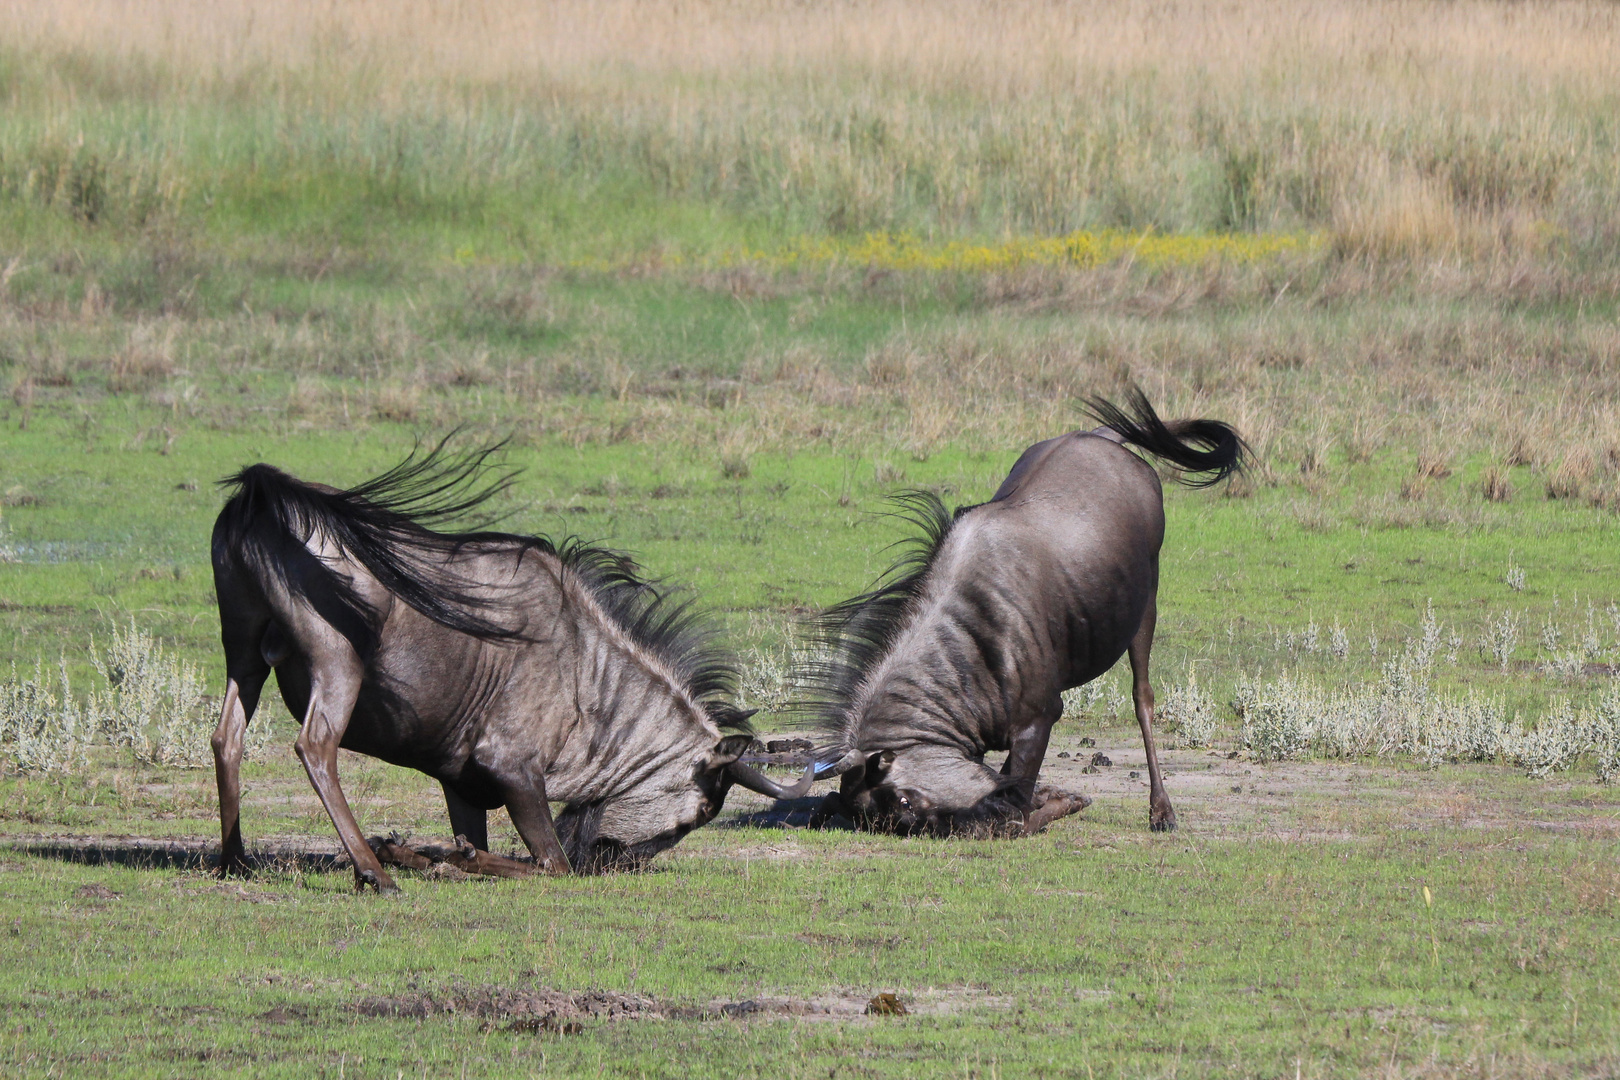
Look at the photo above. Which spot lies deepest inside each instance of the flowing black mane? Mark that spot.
(855, 635)
(383, 524)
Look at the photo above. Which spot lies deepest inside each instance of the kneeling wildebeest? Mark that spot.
(513, 670)
(969, 642)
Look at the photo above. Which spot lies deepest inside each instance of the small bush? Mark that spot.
(42, 729)
(1277, 718)
(149, 703)
(1189, 711)
(152, 704)
(1603, 732)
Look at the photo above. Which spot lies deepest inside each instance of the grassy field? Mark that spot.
(726, 276)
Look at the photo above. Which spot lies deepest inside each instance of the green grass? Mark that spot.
(1097, 949)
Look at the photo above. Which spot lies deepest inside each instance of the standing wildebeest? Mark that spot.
(969, 643)
(513, 670)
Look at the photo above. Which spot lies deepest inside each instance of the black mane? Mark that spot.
(383, 524)
(855, 635)
(668, 626)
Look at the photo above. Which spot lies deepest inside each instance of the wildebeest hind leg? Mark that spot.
(1054, 805)
(1161, 815)
(331, 700)
(531, 816)
(241, 697)
(466, 819)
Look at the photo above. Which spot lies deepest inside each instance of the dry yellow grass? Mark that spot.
(1472, 57)
(1470, 129)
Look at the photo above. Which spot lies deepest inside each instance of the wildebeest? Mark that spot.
(511, 669)
(968, 643)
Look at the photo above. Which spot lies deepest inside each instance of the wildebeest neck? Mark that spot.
(630, 716)
(958, 669)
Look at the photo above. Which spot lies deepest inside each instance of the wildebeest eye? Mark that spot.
(905, 802)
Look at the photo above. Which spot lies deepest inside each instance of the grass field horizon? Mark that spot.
(725, 277)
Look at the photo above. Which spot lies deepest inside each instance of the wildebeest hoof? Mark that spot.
(381, 882)
(234, 866)
(1165, 822)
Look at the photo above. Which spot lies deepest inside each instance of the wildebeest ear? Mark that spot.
(728, 715)
(729, 749)
(877, 765)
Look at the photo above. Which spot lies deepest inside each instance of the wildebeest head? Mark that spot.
(924, 790)
(625, 831)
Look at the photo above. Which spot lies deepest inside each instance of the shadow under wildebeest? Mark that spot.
(969, 642)
(143, 853)
(513, 670)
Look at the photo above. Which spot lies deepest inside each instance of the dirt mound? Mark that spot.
(529, 1008)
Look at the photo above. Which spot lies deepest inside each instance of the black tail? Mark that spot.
(379, 524)
(1177, 441)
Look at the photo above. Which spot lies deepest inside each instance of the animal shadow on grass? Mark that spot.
(150, 854)
(784, 813)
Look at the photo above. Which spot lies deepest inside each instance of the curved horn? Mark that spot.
(838, 768)
(754, 780)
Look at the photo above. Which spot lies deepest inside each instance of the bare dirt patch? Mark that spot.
(95, 891)
(542, 1009)
(502, 1003)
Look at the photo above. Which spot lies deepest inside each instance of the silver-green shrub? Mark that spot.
(152, 703)
(1603, 732)
(42, 728)
(1190, 712)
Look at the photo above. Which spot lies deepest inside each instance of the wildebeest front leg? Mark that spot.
(331, 700)
(1161, 815)
(531, 816)
(466, 819)
(241, 697)
(1029, 744)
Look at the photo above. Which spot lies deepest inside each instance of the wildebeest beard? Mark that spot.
(578, 830)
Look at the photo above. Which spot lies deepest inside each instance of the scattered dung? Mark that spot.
(501, 1003)
(1088, 741)
(887, 1005)
(1101, 759)
(95, 891)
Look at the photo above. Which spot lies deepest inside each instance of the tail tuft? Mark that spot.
(1176, 441)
